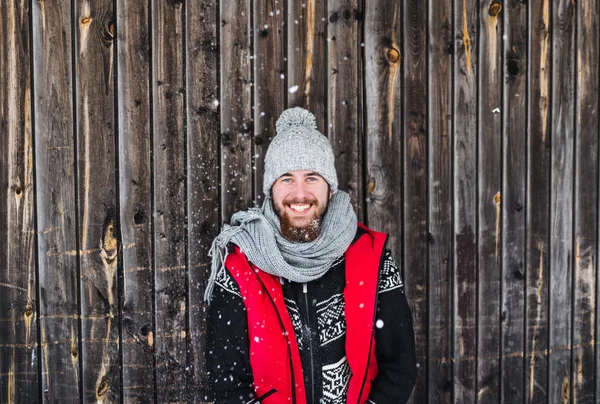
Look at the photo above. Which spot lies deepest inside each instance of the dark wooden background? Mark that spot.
(130, 130)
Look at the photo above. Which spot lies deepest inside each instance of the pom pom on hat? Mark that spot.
(295, 117)
(298, 146)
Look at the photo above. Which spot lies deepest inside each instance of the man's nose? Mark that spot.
(300, 191)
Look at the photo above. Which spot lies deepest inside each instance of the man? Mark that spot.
(306, 305)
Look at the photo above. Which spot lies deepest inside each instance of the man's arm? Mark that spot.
(227, 350)
(394, 339)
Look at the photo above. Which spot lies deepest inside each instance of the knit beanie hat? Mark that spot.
(298, 145)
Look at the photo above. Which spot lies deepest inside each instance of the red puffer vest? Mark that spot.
(274, 355)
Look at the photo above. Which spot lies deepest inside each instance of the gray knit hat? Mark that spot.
(298, 146)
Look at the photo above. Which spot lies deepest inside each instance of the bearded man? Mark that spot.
(306, 305)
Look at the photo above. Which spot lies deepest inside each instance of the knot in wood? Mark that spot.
(102, 388)
(28, 311)
(86, 20)
(392, 55)
(495, 8)
(497, 198)
(371, 185)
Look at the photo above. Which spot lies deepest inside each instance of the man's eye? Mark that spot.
(312, 179)
(286, 180)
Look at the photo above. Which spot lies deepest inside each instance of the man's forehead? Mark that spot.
(303, 173)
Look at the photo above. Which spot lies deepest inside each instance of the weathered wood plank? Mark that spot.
(170, 196)
(269, 82)
(18, 302)
(538, 206)
(415, 184)
(561, 201)
(383, 124)
(465, 200)
(307, 57)
(343, 102)
(236, 107)
(136, 219)
(100, 352)
(56, 208)
(439, 366)
(490, 234)
(513, 201)
(586, 205)
(202, 92)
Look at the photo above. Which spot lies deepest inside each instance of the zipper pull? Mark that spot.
(304, 288)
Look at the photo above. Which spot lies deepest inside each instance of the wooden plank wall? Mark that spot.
(131, 130)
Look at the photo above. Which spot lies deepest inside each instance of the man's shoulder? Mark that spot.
(363, 230)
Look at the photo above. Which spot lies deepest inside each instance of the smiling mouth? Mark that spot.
(299, 208)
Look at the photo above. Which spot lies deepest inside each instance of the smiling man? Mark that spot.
(306, 305)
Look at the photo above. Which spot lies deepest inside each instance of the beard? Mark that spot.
(309, 230)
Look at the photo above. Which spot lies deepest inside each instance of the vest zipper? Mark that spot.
(310, 344)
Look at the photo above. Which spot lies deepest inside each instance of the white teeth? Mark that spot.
(300, 208)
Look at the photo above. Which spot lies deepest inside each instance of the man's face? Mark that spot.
(300, 199)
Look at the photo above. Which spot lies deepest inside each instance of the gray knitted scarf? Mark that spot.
(257, 233)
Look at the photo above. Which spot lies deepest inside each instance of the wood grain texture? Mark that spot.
(135, 197)
(490, 201)
(18, 302)
(538, 206)
(383, 101)
(170, 198)
(415, 184)
(95, 73)
(585, 312)
(344, 130)
(561, 201)
(441, 232)
(269, 82)
(465, 200)
(56, 207)
(465, 197)
(307, 57)
(513, 201)
(236, 107)
(202, 93)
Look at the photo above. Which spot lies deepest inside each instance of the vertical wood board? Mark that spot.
(561, 201)
(344, 131)
(56, 207)
(440, 232)
(269, 82)
(307, 57)
(538, 206)
(18, 301)
(585, 205)
(415, 174)
(96, 192)
(202, 94)
(135, 200)
(236, 107)
(513, 201)
(465, 200)
(170, 197)
(490, 234)
(383, 100)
